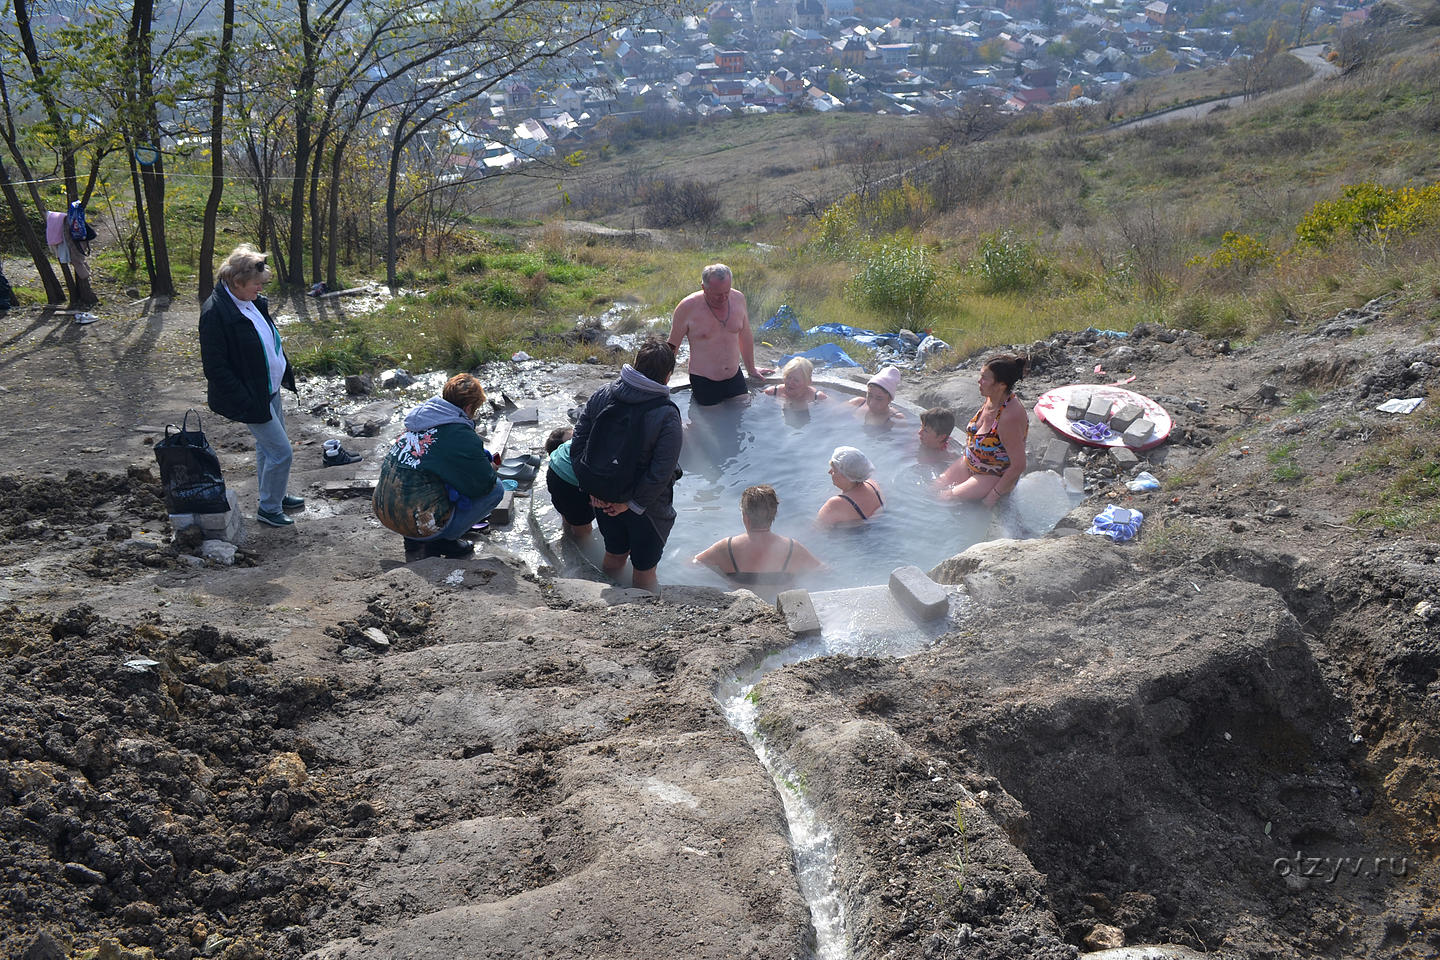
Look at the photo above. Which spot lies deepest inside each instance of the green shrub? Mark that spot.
(897, 279)
(1371, 213)
(1006, 264)
(500, 293)
(1238, 253)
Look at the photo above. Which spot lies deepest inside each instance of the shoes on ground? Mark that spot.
(452, 549)
(292, 503)
(274, 519)
(338, 456)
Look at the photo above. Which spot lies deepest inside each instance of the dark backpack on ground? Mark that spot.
(609, 466)
(7, 295)
(190, 470)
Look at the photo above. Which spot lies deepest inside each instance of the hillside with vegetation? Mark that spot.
(1266, 214)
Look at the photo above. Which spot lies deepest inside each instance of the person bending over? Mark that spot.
(437, 480)
(758, 556)
(570, 501)
(994, 454)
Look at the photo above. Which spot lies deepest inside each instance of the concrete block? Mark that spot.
(1124, 457)
(799, 611)
(228, 526)
(1121, 419)
(916, 592)
(1079, 404)
(1098, 410)
(530, 414)
(1074, 479)
(1054, 454)
(1138, 432)
(505, 510)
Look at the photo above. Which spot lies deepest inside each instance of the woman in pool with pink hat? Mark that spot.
(876, 407)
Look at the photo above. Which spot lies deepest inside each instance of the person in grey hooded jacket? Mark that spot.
(637, 528)
(437, 478)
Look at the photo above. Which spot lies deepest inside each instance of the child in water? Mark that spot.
(877, 407)
(936, 425)
(570, 502)
(798, 388)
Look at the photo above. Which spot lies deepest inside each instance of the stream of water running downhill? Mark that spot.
(862, 622)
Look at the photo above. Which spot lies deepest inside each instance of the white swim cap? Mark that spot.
(852, 464)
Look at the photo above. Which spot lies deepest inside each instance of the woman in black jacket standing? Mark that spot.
(245, 367)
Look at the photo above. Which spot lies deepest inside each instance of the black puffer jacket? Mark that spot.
(234, 360)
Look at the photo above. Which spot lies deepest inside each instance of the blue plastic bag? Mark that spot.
(1117, 523)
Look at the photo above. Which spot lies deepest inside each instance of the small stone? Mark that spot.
(1124, 457)
(1105, 937)
(394, 377)
(79, 873)
(1277, 509)
(220, 551)
(377, 638)
(1426, 610)
(358, 385)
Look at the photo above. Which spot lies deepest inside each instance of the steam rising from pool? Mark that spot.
(737, 444)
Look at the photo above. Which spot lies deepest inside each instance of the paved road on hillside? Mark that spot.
(1312, 56)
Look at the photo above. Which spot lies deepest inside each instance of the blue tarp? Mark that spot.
(867, 338)
(825, 355)
(784, 319)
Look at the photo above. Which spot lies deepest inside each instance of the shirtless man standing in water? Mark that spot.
(715, 319)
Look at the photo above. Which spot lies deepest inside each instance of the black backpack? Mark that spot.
(609, 465)
(7, 295)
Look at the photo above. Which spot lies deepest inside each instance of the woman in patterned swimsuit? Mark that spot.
(994, 455)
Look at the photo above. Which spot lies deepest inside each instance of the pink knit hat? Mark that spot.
(888, 380)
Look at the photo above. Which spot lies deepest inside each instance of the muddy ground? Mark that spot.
(1221, 737)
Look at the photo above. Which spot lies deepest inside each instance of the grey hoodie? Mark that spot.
(433, 413)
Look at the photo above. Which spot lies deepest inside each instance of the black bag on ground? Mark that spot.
(190, 470)
(609, 465)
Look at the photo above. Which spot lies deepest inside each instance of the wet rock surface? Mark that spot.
(1221, 736)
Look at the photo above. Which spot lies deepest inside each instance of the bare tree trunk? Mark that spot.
(34, 245)
(205, 269)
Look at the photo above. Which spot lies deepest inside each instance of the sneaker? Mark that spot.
(453, 549)
(274, 519)
(292, 503)
(339, 457)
